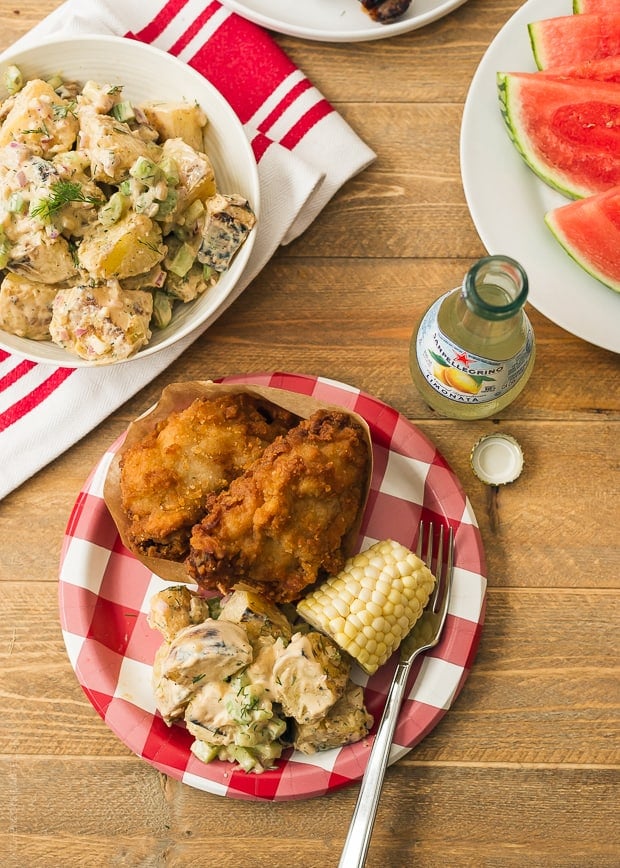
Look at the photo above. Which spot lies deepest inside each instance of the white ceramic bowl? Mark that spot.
(147, 73)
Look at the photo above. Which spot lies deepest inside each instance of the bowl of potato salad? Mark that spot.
(129, 198)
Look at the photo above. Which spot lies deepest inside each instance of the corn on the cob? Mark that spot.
(371, 605)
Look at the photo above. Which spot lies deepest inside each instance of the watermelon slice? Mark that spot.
(570, 39)
(602, 7)
(605, 69)
(589, 231)
(567, 130)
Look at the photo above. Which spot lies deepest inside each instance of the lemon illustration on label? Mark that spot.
(460, 381)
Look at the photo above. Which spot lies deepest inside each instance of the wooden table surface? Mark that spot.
(523, 770)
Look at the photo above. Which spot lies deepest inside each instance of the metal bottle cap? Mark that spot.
(497, 459)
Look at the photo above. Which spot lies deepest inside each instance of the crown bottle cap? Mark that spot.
(497, 459)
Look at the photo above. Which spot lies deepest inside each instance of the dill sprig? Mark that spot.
(148, 244)
(62, 111)
(62, 192)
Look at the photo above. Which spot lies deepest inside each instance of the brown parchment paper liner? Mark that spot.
(178, 396)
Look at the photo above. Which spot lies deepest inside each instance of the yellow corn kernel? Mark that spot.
(371, 605)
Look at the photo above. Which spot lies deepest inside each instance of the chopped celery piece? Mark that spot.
(16, 203)
(207, 272)
(180, 232)
(5, 249)
(204, 751)
(170, 170)
(195, 210)
(143, 203)
(169, 203)
(162, 309)
(266, 752)
(215, 605)
(244, 757)
(183, 260)
(123, 111)
(125, 187)
(113, 209)
(55, 81)
(13, 79)
(146, 171)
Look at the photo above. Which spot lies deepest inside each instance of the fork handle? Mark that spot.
(363, 819)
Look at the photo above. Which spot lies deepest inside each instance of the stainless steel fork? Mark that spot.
(424, 635)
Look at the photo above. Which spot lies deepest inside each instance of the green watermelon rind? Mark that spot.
(583, 7)
(534, 43)
(582, 262)
(542, 170)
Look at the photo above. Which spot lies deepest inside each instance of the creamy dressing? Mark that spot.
(210, 651)
(302, 682)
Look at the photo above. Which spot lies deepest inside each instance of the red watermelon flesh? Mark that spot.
(589, 231)
(602, 7)
(567, 130)
(604, 69)
(572, 39)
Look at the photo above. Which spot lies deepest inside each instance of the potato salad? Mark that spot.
(247, 682)
(110, 215)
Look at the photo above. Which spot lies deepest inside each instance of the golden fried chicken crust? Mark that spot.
(166, 477)
(282, 524)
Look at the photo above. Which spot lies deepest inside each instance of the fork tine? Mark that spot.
(418, 548)
(446, 578)
(438, 568)
(429, 546)
(427, 558)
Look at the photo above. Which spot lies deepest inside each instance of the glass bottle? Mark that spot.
(473, 351)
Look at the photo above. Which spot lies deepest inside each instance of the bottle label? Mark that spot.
(461, 376)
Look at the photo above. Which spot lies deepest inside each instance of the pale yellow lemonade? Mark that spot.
(474, 349)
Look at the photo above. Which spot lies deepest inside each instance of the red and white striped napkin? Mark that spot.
(305, 153)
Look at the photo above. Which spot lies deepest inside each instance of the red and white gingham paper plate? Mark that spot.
(105, 593)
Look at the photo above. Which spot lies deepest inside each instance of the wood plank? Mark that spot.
(454, 816)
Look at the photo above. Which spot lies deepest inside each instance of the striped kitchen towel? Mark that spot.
(305, 153)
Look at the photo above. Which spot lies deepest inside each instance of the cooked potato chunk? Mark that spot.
(210, 651)
(256, 614)
(101, 323)
(40, 119)
(196, 175)
(175, 608)
(111, 146)
(131, 246)
(38, 257)
(171, 698)
(26, 307)
(346, 722)
(178, 120)
(310, 676)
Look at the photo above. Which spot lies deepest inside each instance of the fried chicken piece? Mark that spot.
(166, 477)
(283, 524)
